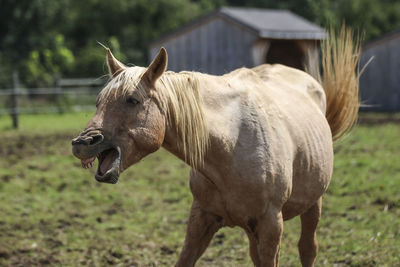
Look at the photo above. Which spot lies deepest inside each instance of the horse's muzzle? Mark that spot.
(92, 144)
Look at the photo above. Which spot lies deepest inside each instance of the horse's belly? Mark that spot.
(311, 178)
(235, 205)
(303, 197)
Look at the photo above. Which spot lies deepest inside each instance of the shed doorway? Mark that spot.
(285, 52)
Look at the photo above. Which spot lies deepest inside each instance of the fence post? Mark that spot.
(14, 100)
(58, 95)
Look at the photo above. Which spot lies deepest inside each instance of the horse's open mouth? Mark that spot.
(109, 166)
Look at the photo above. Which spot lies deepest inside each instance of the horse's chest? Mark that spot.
(209, 197)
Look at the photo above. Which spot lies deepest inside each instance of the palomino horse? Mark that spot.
(259, 141)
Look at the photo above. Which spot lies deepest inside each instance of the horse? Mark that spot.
(259, 141)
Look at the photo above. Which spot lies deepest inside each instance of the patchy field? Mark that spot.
(53, 212)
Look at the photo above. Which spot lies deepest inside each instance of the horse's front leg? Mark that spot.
(253, 243)
(200, 230)
(269, 233)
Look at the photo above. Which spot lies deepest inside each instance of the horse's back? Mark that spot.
(293, 79)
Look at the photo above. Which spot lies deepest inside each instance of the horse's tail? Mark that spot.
(340, 80)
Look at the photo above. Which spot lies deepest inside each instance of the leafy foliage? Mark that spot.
(46, 38)
(31, 38)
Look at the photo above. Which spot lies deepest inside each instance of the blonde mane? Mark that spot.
(179, 99)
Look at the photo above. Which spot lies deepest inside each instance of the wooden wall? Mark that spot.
(380, 82)
(216, 46)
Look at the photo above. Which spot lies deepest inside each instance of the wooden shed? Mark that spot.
(233, 37)
(380, 81)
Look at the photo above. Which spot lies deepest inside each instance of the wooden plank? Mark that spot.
(50, 91)
(189, 51)
(203, 49)
(212, 28)
(173, 54)
(69, 82)
(220, 49)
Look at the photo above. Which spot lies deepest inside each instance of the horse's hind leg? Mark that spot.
(308, 245)
(200, 230)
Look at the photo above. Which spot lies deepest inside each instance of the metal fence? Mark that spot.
(69, 95)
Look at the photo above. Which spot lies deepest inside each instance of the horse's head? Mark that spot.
(128, 123)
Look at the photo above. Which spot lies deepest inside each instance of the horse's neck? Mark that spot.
(175, 134)
(224, 107)
(171, 142)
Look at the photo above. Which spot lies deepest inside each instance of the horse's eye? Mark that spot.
(131, 100)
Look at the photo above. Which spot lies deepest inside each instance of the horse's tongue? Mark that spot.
(87, 161)
(106, 163)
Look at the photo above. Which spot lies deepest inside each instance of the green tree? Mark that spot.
(133, 23)
(47, 38)
(30, 37)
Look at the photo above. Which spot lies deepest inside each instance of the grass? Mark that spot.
(45, 123)
(52, 212)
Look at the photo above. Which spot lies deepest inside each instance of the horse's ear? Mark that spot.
(114, 66)
(157, 67)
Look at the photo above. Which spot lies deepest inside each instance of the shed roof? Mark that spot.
(277, 24)
(381, 40)
(266, 23)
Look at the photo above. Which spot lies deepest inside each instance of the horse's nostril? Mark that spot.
(88, 139)
(96, 139)
(79, 141)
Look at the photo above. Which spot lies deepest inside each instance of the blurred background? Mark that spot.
(45, 39)
(52, 212)
(44, 43)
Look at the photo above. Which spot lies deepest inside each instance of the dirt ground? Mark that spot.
(52, 212)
